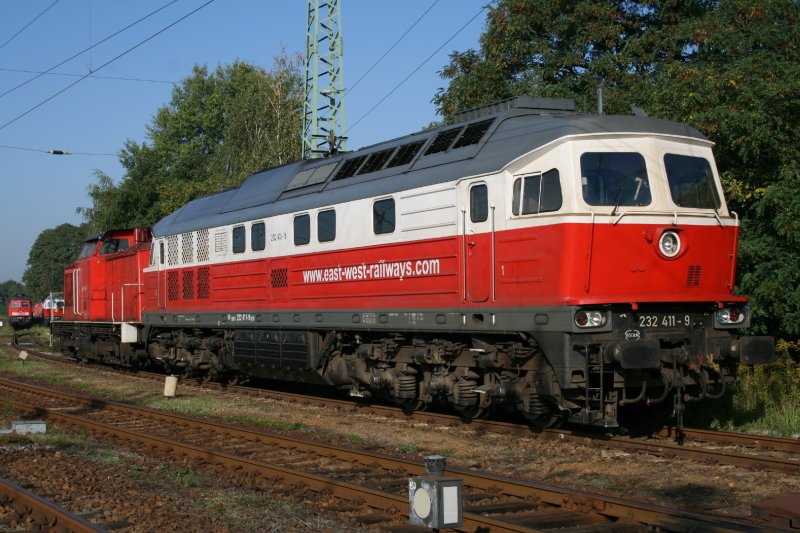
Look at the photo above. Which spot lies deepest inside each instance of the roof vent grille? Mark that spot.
(443, 141)
(473, 133)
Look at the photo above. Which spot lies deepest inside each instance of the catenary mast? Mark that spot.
(323, 111)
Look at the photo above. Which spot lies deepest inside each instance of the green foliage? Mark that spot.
(568, 49)
(52, 250)
(768, 397)
(8, 289)
(764, 399)
(218, 128)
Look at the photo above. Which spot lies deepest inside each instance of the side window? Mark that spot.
(113, 245)
(383, 216)
(479, 203)
(258, 240)
(161, 252)
(539, 193)
(326, 225)
(302, 230)
(239, 239)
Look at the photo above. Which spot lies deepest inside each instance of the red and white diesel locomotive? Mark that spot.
(525, 258)
(49, 309)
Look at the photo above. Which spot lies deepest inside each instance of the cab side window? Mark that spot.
(113, 245)
(537, 193)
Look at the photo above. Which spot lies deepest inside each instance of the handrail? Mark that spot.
(704, 214)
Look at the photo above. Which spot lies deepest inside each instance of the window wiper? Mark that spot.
(618, 197)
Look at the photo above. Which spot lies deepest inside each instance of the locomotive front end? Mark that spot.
(654, 315)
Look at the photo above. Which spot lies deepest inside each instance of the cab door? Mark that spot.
(478, 242)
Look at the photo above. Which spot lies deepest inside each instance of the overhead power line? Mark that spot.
(52, 152)
(29, 23)
(371, 109)
(392, 47)
(73, 75)
(159, 32)
(39, 75)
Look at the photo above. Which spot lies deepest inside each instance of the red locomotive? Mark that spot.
(20, 312)
(526, 258)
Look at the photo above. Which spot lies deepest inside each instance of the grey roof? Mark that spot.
(512, 133)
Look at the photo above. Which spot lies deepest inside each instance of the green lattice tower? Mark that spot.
(323, 111)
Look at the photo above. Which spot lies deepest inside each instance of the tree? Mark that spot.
(727, 67)
(569, 49)
(52, 250)
(218, 129)
(9, 289)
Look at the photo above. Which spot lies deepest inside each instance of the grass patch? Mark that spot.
(261, 422)
(354, 438)
(196, 406)
(408, 449)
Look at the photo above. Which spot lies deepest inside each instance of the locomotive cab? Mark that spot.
(104, 286)
(645, 263)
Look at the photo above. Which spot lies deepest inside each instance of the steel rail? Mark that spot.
(612, 508)
(633, 445)
(44, 513)
(656, 448)
(758, 442)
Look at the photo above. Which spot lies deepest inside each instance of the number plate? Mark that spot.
(658, 320)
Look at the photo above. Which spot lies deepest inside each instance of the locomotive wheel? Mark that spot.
(472, 412)
(410, 406)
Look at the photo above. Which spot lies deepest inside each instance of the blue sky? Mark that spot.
(96, 116)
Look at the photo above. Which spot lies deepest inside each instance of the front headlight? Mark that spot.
(729, 316)
(590, 319)
(669, 244)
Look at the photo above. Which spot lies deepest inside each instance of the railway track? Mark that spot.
(373, 484)
(763, 453)
(21, 510)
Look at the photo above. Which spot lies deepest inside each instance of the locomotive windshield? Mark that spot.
(614, 178)
(88, 248)
(691, 182)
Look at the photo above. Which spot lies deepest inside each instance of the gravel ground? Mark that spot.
(185, 496)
